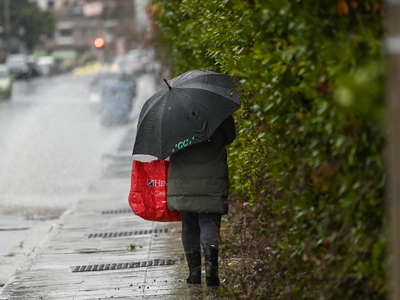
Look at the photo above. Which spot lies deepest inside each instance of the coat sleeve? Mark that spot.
(228, 127)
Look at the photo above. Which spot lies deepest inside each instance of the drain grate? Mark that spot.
(118, 211)
(129, 265)
(125, 233)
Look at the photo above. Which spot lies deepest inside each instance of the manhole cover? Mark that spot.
(117, 211)
(126, 233)
(118, 266)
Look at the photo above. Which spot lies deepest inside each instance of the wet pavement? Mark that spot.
(98, 249)
(52, 145)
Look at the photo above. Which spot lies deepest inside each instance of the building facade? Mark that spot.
(80, 22)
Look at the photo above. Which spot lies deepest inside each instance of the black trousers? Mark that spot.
(199, 229)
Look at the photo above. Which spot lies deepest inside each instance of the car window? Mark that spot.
(15, 63)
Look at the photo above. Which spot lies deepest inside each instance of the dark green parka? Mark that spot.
(198, 179)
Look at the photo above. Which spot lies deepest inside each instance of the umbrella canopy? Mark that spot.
(185, 111)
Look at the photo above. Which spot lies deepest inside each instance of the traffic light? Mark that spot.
(99, 42)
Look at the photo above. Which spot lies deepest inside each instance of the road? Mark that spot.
(52, 144)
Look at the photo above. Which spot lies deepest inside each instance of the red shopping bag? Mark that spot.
(148, 195)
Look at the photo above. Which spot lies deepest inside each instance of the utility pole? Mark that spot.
(7, 25)
(393, 135)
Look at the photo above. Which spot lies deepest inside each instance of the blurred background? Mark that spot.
(51, 37)
(64, 31)
(74, 75)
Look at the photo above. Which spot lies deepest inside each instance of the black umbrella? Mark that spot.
(184, 111)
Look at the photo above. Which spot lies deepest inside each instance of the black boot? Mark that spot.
(194, 264)
(211, 258)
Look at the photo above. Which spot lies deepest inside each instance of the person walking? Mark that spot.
(198, 187)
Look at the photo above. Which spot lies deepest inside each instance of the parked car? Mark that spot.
(33, 66)
(6, 82)
(18, 66)
(46, 65)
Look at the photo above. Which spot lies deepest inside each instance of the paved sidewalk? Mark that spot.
(99, 249)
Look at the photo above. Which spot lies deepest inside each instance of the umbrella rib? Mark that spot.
(162, 108)
(182, 81)
(145, 110)
(146, 116)
(195, 100)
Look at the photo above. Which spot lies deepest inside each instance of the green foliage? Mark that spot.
(308, 157)
(35, 22)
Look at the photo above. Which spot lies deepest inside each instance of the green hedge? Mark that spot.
(309, 154)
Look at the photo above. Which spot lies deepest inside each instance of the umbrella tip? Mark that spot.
(167, 84)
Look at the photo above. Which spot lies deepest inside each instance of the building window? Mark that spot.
(65, 33)
(76, 11)
(50, 4)
(65, 36)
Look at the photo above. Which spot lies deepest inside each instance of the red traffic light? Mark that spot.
(99, 42)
